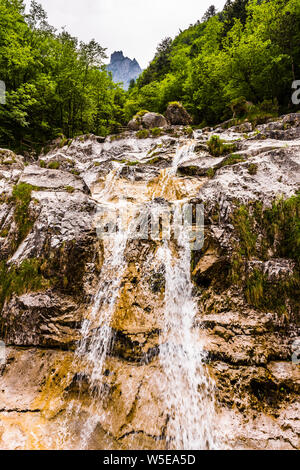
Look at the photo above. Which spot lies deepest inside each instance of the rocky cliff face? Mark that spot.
(89, 324)
(123, 69)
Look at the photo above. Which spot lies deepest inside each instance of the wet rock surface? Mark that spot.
(249, 348)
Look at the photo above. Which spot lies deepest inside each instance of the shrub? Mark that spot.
(252, 170)
(143, 134)
(218, 147)
(63, 142)
(188, 131)
(239, 106)
(261, 113)
(156, 131)
(42, 164)
(21, 196)
(20, 279)
(54, 165)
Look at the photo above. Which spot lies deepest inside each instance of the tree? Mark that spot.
(210, 13)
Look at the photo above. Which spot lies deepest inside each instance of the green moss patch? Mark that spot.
(217, 147)
(278, 228)
(18, 280)
(21, 196)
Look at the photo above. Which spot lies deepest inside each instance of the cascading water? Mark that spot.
(96, 333)
(187, 389)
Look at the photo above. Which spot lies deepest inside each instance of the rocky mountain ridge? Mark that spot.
(123, 69)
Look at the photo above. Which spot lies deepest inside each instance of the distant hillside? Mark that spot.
(247, 53)
(123, 69)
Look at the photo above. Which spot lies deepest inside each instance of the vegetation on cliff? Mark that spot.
(264, 232)
(241, 61)
(54, 83)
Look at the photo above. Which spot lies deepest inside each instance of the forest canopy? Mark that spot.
(55, 84)
(241, 61)
(249, 52)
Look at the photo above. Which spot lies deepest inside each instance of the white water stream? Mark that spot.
(187, 389)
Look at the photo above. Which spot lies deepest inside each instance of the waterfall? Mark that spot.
(188, 389)
(96, 333)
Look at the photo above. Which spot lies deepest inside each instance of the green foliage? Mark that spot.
(218, 147)
(280, 230)
(188, 131)
(43, 164)
(241, 61)
(21, 197)
(244, 224)
(54, 165)
(20, 279)
(283, 227)
(55, 84)
(233, 159)
(239, 106)
(141, 113)
(156, 131)
(252, 170)
(266, 295)
(236, 62)
(70, 189)
(210, 173)
(143, 134)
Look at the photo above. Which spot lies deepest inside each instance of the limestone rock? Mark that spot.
(123, 69)
(176, 114)
(247, 350)
(151, 120)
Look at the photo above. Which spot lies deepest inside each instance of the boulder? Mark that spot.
(134, 124)
(176, 114)
(148, 121)
(151, 120)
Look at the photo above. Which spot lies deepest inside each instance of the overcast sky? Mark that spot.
(134, 26)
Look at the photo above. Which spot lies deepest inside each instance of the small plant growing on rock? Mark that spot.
(233, 159)
(217, 147)
(54, 165)
(70, 189)
(210, 173)
(188, 131)
(140, 113)
(42, 164)
(20, 279)
(156, 131)
(252, 170)
(21, 196)
(143, 134)
(4, 233)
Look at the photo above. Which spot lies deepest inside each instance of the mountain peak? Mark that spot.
(123, 69)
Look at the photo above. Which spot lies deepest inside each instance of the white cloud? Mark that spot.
(134, 26)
